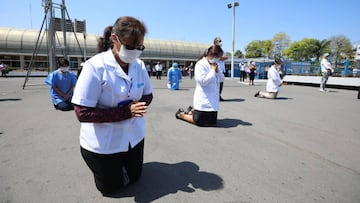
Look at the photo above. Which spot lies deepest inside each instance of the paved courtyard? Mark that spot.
(302, 147)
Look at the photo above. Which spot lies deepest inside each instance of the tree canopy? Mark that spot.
(306, 49)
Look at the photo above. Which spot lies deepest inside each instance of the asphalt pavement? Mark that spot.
(302, 147)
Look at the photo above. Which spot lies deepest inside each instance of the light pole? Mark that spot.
(233, 5)
(85, 46)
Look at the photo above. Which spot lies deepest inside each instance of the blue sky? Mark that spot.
(203, 20)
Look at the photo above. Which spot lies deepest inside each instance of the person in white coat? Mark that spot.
(273, 82)
(206, 95)
(326, 70)
(110, 99)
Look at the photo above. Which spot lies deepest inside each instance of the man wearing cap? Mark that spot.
(273, 83)
(326, 70)
(221, 65)
(174, 77)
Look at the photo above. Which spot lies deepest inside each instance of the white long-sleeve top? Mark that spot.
(325, 65)
(274, 80)
(221, 66)
(104, 84)
(206, 95)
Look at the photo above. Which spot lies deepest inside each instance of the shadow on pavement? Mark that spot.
(283, 98)
(10, 99)
(233, 100)
(231, 123)
(160, 179)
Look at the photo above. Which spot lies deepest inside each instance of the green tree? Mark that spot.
(238, 54)
(303, 50)
(324, 48)
(259, 48)
(341, 47)
(281, 42)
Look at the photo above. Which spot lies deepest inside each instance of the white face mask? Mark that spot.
(128, 56)
(65, 69)
(214, 60)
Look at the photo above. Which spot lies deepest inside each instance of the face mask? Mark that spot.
(128, 56)
(65, 69)
(214, 60)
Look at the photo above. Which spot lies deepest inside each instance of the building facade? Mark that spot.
(22, 49)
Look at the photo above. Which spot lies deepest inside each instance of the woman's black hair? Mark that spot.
(104, 42)
(62, 62)
(124, 27)
(278, 61)
(213, 50)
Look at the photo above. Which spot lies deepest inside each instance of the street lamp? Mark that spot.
(85, 46)
(233, 5)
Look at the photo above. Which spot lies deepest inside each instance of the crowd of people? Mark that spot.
(112, 94)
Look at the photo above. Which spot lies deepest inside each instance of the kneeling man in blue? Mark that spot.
(174, 77)
(62, 83)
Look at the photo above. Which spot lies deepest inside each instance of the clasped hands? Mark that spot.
(137, 109)
(214, 66)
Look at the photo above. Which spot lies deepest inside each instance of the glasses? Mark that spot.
(140, 47)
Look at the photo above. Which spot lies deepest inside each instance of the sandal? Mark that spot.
(189, 109)
(178, 112)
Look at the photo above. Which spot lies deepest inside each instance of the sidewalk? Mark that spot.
(302, 147)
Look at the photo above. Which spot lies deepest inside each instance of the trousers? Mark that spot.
(114, 171)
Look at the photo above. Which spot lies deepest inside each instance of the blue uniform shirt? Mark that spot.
(63, 82)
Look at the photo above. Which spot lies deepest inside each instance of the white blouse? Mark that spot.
(103, 84)
(206, 95)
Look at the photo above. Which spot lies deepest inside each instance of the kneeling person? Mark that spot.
(273, 83)
(206, 95)
(62, 83)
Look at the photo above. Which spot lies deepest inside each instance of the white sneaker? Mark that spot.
(322, 90)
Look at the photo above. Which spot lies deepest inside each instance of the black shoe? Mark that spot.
(257, 94)
(178, 112)
(190, 108)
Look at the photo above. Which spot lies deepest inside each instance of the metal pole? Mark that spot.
(233, 41)
(51, 37)
(64, 24)
(84, 45)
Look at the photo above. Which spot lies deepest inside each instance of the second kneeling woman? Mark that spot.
(206, 95)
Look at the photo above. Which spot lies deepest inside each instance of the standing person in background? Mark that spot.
(62, 82)
(273, 82)
(191, 70)
(243, 68)
(206, 95)
(221, 64)
(111, 99)
(326, 70)
(252, 69)
(148, 69)
(174, 76)
(158, 68)
(3, 69)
